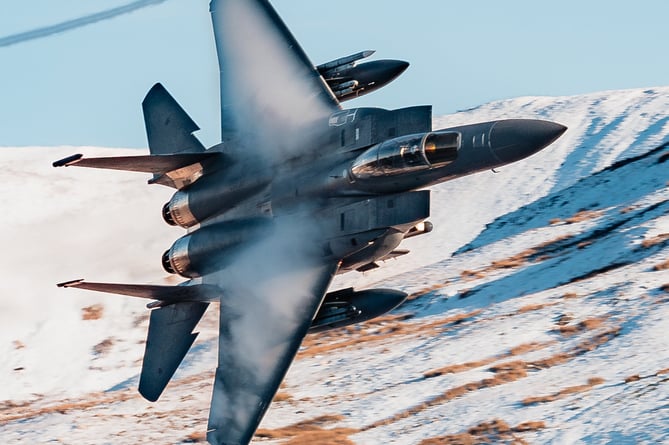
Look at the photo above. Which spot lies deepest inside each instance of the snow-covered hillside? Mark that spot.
(538, 310)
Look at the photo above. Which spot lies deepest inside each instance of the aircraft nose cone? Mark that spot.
(398, 67)
(515, 139)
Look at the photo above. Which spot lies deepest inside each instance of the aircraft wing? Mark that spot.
(271, 293)
(176, 170)
(270, 90)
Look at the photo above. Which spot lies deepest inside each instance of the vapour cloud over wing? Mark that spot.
(270, 91)
(271, 293)
(75, 23)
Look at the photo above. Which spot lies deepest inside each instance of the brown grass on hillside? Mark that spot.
(632, 378)
(529, 426)
(104, 346)
(517, 260)
(379, 330)
(427, 290)
(93, 312)
(593, 381)
(92, 400)
(505, 373)
(650, 242)
(564, 319)
(311, 432)
(469, 275)
(570, 295)
(583, 215)
(494, 431)
(196, 437)
(501, 377)
(585, 325)
(534, 307)
(282, 397)
(461, 367)
(662, 266)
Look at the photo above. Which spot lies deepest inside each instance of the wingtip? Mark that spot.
(65, 162)
(71, 283)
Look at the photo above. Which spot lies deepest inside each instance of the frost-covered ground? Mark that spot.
(539, 303)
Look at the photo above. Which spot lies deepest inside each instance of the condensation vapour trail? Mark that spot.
(75, 23)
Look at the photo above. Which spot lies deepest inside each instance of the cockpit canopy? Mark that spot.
(407, 154)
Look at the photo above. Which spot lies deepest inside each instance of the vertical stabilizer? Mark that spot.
(169, 128)
(169, 339)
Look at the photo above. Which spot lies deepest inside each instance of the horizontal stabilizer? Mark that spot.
(164, 294)
(169, 339)
(156, 164)
(173, 170)
(169, 129)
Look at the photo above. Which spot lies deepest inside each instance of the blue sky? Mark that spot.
(85, 86)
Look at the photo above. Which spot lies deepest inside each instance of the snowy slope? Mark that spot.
(538, 308)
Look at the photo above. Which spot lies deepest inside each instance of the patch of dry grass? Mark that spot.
(427, 290)
(500, 377)
(104, 346)
(529, 426)
(585, 325)
(519, 259)
(494, 431)
(93, 312)
(461, 367)
(196, 437)
(593, 381)
(8, 414)
(650, 242)
(662, 266)
(505, 373)
(534, 307)
(282, 397)
(379, 330)
(583, 215)
(469, 275)
(311, 431)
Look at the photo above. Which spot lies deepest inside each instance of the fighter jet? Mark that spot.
(299, 190)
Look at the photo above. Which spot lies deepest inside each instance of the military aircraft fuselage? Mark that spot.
(366, 158)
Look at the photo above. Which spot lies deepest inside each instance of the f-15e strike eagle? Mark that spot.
(298, 190)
